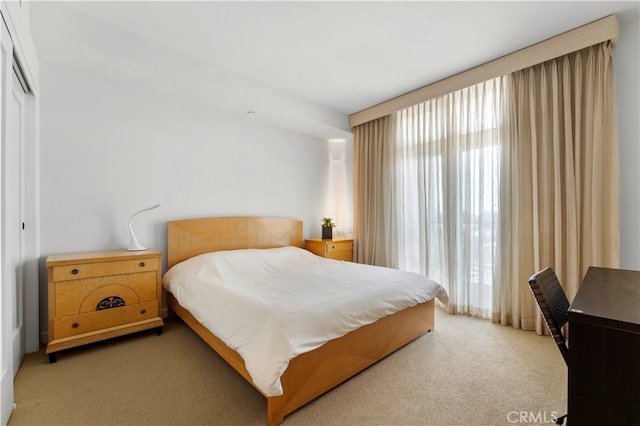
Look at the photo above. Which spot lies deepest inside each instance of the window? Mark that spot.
(448, 154)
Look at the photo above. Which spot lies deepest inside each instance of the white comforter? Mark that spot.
(270, 305)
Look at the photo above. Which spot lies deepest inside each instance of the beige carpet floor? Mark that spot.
(466, 372)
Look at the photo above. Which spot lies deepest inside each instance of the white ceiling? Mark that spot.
(304, 66)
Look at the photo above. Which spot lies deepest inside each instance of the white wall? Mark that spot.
(627, 69)
(109, 149)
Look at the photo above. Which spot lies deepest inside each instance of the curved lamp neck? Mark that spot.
(135, 244)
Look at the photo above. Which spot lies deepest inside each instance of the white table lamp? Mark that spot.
(135, 244)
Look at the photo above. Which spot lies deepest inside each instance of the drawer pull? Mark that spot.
(144, 311)
(142, 264)
(75, 325)
(74, 271)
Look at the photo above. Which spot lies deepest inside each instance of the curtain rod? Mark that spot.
(582, 37)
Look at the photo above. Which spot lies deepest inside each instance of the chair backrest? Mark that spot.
(553, 303)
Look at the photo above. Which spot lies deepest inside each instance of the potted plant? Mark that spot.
(327, 228)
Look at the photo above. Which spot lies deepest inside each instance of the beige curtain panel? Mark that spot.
(560, 180)
(373, 243)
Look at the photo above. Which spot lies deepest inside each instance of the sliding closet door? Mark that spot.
(19, 248)
(15, 257)
(7, 309)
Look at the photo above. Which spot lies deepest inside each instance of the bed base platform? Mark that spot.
(311, 374)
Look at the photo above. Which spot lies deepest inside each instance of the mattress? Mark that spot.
(270, 305)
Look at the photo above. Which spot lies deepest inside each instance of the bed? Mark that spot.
(308, 374)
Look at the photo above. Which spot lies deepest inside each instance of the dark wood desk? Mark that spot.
(604, 349)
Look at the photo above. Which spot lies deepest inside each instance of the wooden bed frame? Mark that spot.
(311, 374)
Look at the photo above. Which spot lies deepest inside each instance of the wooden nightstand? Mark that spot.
(98, 295)
(337, 248)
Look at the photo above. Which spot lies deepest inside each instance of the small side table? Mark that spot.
(337, 248)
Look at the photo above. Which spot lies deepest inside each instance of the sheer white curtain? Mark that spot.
(446, 173)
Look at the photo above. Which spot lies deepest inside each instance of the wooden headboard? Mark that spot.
(191, 237)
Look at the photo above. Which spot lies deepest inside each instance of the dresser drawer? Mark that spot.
(89, 270)
(341, 255)
(340, 250)
(91, 294)
(85, 323)
(339, 246)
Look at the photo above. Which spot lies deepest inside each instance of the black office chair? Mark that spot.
(554, 305)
